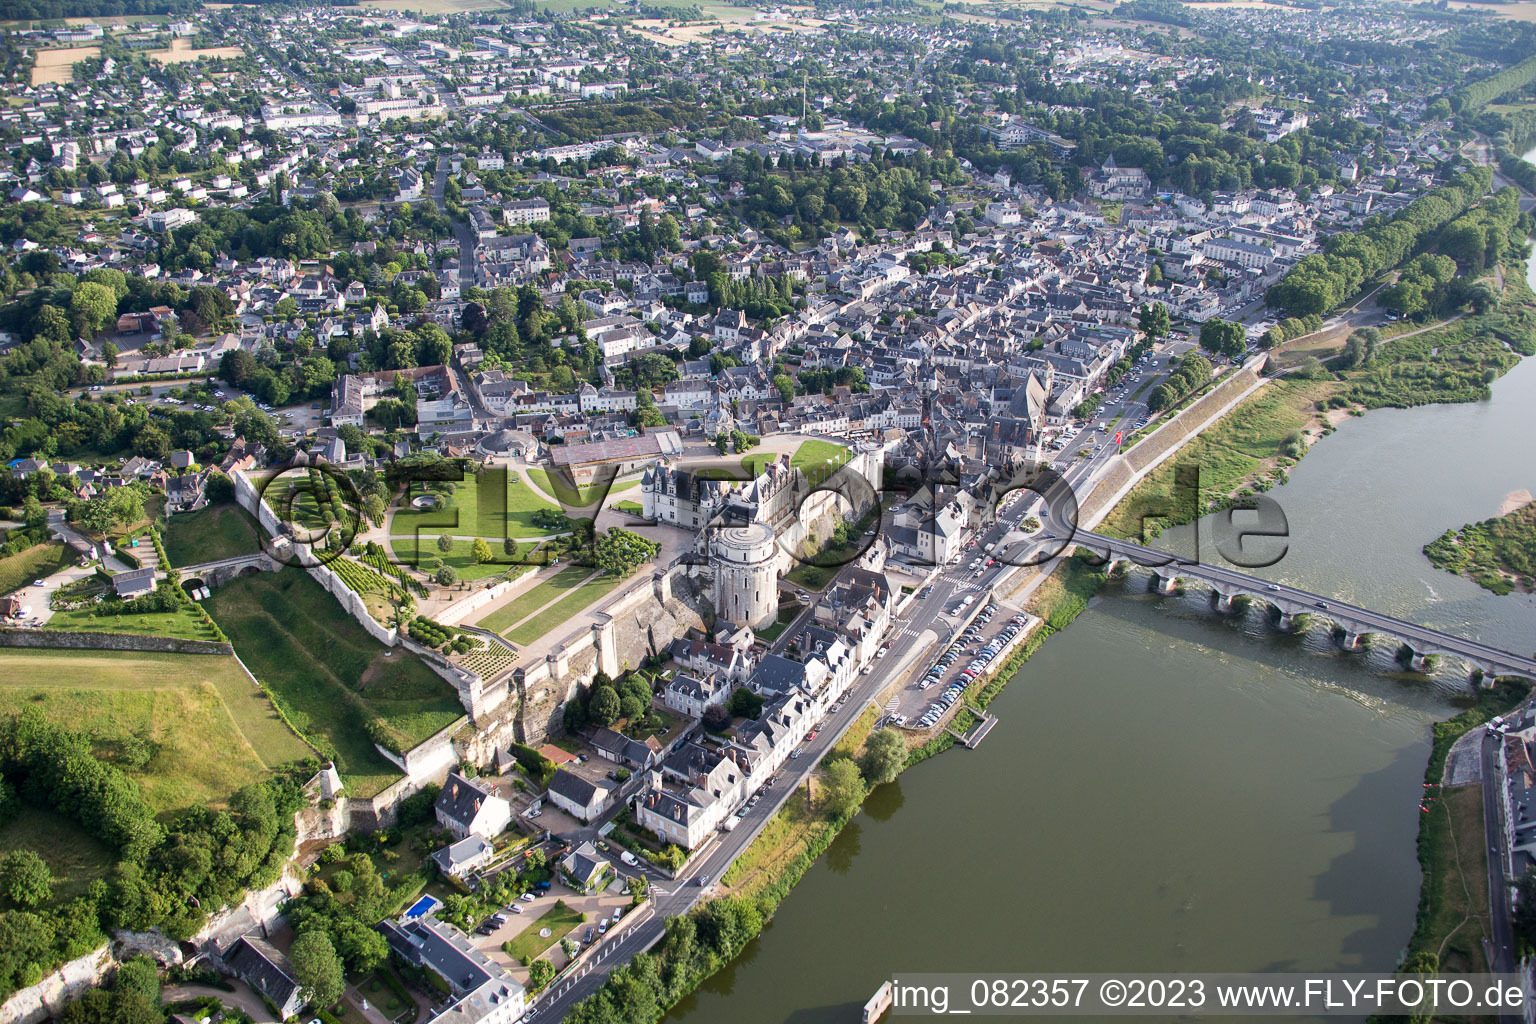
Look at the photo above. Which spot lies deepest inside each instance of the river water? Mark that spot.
(1169, 789)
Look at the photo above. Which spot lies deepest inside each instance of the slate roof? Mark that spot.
(266, 969)
(461, 799)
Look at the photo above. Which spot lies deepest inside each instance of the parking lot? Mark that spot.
(934, 691)
(596, 913)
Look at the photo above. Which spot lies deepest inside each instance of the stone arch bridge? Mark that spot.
(1353, 622)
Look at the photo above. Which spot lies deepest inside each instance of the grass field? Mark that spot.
(331, 676)
(181, 624)
(563, 610)
(210, 534)
(74, 856)
(417, 551)
(527, 945)
(1231, 453)
(554, 487)
(34, 563)
(811, 458)
(494, 506)
(531, 600)
(1458, 886)
(209, 730)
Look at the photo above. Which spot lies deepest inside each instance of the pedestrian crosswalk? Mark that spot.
(892, 704)
(909, 631)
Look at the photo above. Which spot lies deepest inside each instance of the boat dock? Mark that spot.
(978, 732)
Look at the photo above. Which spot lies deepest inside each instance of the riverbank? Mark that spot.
(1251, 449)
(1452, 921)
(643, 991)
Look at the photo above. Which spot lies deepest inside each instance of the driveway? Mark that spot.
(242, 998)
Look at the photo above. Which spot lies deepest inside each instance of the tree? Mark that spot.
(885, 753)
(92, 307)
(447, 576)
(25, 879)
(540, 973)
(109, 354)
(841, 789)
(317, 968)
(444, 543)
(1222, 337)
(744, 703)
(620, 552)
(481, 551)
(1153, 320)
(603, 708)
(786, 386)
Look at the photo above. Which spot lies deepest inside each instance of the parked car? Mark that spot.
(527, 897)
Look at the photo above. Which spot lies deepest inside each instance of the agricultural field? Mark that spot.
(181, 51)
(188, 728)
(210, 534)
(58, 65)
(434, 6)
(337, 684)
(495, 505)
(37, 561)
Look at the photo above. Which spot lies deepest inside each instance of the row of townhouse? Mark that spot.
(690, 794)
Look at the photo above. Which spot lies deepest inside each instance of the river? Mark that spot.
(1168, 789)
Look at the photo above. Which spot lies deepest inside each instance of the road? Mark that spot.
(1503, 959)
(1295, 600)
(905, 647)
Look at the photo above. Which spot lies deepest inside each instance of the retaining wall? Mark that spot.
(62, 639)
(473, 602)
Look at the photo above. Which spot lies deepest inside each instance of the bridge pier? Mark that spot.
(1350, 640)
(1164, 584)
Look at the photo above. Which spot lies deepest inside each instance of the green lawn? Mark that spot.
(34, 563)
(531, 600)
(181, 624)
(553, 486)
(74, 856)
(210, 534)
(811, 458)
(527, 946)
(208, 731)
(494, 505)
(562, 611)
(417, 551)
(341, 686)
(632, 507)
(812, 577)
